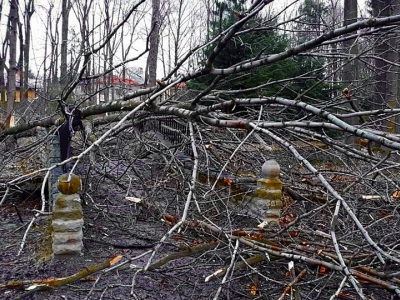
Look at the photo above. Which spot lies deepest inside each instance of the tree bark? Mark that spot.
(13, 16)
(64, 42)
(380, 8)
(20, 63)
(350, 70)
(392, 71)
(4, 49)
(29, 10)
(154, 43)
(386, 85)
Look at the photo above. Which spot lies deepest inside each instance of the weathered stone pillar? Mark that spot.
(269, 191)
(67, 217)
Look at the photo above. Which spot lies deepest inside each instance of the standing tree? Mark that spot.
(152, 59)
(386, 53)
(66, 7)
(350, 68)
(3, 55)
(29, 10)
(12, 70)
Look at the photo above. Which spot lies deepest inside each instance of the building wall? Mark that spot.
(3, 95)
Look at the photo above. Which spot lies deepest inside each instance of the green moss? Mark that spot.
(65, 209)
(44, 252)
(68, 187)
(270, 183)
(67, 216)
(268, 195)
(61, 202)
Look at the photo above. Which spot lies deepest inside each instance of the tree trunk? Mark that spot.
(386, 80)
(20, 63)
(350, 70)
(106, 78)
(94, 82)
(2, 65)
(64, 42)
(178, 35)
(13, 16)
(154, 43)
(380, 8)
(107, 52)
(3, 55)
(29, 10)
(392, 71)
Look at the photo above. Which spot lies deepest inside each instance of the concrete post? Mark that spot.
(67, 217)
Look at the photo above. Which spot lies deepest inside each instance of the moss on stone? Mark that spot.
(67, 216)
(67, 208)
(61, 202)
(68, 187)
(270, 183)
(268, 194)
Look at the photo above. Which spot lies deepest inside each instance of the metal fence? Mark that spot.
(173, 130)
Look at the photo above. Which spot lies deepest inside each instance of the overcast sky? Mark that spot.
(40, 18)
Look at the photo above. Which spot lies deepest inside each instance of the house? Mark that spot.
(115, 86)
(119, 86)
(30, 94)
(33, 86)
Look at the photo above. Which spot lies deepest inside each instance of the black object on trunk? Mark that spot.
(66, 131)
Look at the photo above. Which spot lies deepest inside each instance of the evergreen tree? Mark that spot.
(256, 44)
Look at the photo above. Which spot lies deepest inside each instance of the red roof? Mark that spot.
(181, 85)
(119, 80)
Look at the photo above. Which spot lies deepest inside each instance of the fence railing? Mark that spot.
(174, 130)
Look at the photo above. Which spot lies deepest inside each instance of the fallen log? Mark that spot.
(49, 283)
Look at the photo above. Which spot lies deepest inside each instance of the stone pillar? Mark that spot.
(67, 217)
(269, 191)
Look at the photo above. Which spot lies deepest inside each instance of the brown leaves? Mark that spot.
(395, 196)
(362, 142)
(382, 213)
(286, 219)
(228, 181)
(347, 296)
(330, 166)
(346, 93)
(323, 270)
(337, 178)
(98, 229)
(178, 236)
(115, 260)
(309, 181)
(253, 289)
(171, 219)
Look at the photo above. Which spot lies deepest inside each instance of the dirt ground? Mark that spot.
(100, 230)
(180, 279)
